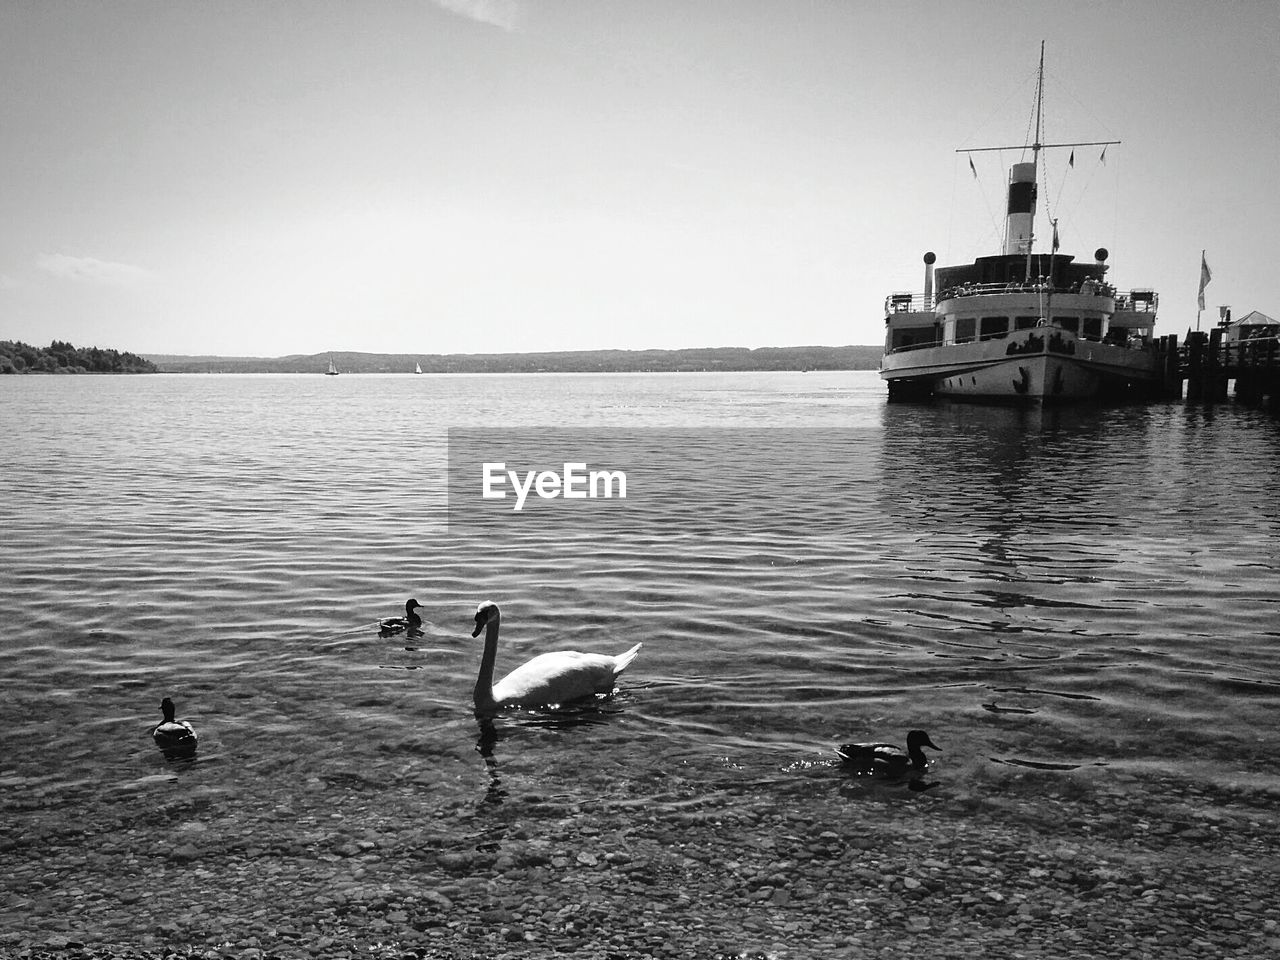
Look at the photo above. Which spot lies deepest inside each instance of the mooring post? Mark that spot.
(1171, 374)
(1267, 371)
(1195, 366)
(1246, 375)
(1215, 369)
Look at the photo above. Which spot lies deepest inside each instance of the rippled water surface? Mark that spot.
(1089, 593)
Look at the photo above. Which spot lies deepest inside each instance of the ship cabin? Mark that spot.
(993, 296)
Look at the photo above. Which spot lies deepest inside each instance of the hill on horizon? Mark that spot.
(564, 361)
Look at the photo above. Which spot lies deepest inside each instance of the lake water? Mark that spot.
(1079, 604)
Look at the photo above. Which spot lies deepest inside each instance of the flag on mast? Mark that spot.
(972, 167)
(1205, 277)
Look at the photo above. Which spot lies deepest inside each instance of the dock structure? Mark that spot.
(1207, 363)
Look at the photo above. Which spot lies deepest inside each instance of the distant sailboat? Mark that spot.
(332, 371)
(417, 368)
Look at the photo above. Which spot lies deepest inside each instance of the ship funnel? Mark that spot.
(929, 259)
(1022, 202)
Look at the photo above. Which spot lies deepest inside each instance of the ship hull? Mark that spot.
(1038, 365)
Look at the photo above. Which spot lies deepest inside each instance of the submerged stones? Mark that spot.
(784, 871)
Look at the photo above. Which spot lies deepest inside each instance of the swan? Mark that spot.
(174, 737)
(393, 625)
(547, 679)
(887, 757)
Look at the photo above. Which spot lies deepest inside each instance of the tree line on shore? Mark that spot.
(60, 357)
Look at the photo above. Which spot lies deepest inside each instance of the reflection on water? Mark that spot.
(510, 729)
(567, 717)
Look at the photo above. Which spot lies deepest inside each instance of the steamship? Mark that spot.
(1021, 325)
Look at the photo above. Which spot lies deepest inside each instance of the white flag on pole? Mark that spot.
(1205, 277)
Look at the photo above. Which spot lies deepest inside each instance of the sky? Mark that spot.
(233, 177)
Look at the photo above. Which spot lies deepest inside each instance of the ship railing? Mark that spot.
(1138, 301)
(907, 303)
(908, 347)
(1088, 287)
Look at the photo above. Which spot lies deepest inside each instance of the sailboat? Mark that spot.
(1021, 325)
(333, 370)
(417, 368)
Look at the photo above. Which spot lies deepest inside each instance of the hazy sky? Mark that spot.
(440, 176)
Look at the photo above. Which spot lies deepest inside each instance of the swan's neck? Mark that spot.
(484, 682)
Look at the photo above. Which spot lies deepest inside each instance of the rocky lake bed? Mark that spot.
(824, 865)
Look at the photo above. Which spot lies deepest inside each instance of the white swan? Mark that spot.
(547, 679)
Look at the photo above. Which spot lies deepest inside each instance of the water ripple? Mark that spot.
(1107, 580)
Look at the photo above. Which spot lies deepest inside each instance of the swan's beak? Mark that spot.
(481, 620)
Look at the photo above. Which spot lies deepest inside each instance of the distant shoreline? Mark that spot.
(725, 359)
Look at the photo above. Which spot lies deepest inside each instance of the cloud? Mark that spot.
(7, 282)
(89, 270)
(500, 13)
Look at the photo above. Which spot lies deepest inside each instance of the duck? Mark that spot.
(174, 737)
(889, 758)
(393, 625)
(549, 679)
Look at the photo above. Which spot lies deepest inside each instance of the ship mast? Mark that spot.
(1020, 216)
(1035, 158)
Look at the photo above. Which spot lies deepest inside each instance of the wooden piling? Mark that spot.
(1215, 369)
(1171, 367)
(1195, 366)
(1256, 367)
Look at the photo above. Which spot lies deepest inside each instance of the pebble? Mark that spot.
(714, 875)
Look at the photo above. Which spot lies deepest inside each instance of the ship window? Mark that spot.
(993, 328)
(1091, 328)
(964, 329)
(913, 336)
(1025, 323)
(1068, 323)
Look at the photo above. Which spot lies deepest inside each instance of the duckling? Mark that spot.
(411, 621)
(888, 758)
(176, 738)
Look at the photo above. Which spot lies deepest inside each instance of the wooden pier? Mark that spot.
(1207, 363)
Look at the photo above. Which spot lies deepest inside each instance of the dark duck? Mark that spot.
(176, 738)
(410, 621)
(889, 758)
